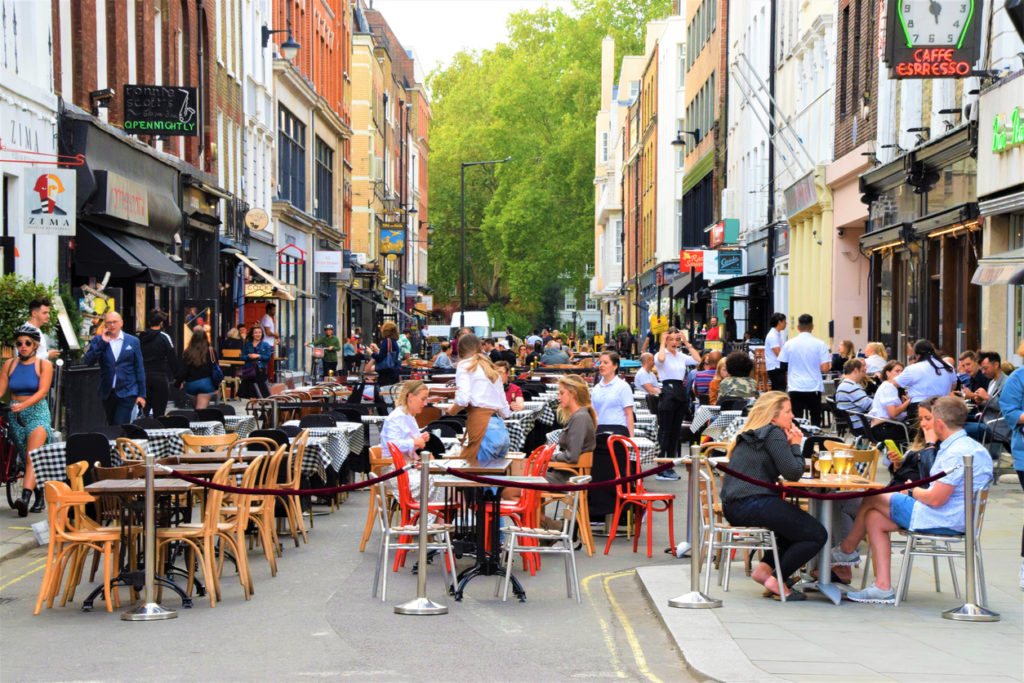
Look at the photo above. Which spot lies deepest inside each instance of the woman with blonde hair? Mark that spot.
(577, 414)
(875, 357)
(478, 391)
(400, 428)
(767, 447)
(720, 374)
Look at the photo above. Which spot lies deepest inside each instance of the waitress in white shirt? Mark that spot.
(888, 404)
(400, 428)
(926, 377)
(479, 392)
(773, 342)
(671, 363)
(612, 400)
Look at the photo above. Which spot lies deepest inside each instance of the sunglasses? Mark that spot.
(25, 344)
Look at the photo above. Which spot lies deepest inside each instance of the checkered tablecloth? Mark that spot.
(49, 461)
(316, 458)
(548, 415)
(647, 447)
(519, 425)
(243, 425)
(703, 416)
(337, 442)
(373, 419)
(725, 426)
(165, 442)
(645, 423)
(207, 428)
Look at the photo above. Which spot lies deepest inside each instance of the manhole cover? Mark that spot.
(4, 601)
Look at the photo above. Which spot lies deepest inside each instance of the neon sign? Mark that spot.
(1003, 139)
(932, 38)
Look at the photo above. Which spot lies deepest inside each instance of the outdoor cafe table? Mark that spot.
(135, 578)
(338, 441)
(219, 456)
(50, 460)
(207, 427)
(485, 544)
(822, 510)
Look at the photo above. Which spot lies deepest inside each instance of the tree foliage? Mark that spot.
(16, 293)
(529, 221)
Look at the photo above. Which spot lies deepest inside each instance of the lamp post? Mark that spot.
(462, 232)
(289, 48)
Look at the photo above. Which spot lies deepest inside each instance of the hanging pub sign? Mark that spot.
(392, 241)
(50, 202)
(933, 38)
(161, 110)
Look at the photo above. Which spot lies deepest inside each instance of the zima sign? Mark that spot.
(50, 203)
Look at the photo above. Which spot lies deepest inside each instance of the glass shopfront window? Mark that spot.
(897, 205)
(956, 186)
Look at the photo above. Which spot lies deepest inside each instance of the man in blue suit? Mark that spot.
(122, 377)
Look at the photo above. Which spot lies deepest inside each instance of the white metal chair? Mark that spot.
(720, 536)
(936, 546)
(560, 540)
(394, 538)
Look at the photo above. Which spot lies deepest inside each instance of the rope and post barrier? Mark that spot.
(421, 604)
(150, 609)
(970, 610)
(694, 599)
(285, 492)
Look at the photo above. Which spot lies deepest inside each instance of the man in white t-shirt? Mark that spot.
(773, 342)
(806, 357)
(270, 332)
(39, 315)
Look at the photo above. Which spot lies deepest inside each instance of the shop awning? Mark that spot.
(737, 281)
(1006, 268)
(270, 288)
(98, 251)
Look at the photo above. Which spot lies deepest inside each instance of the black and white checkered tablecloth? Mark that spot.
(725, 426)
(647, 447)
(243, 425)
(207, 428)
(703, 416)
(336, 442)
(548, 415)
(519, 425)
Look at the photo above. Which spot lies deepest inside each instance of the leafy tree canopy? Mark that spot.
(530, 221)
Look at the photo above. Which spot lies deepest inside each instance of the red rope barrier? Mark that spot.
(560, 488)
(806, 493)
(287, 492)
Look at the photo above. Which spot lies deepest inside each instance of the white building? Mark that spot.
(28, 112)
(587, 317)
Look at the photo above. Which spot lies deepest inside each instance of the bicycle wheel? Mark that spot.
(14, 488)
(12, 474)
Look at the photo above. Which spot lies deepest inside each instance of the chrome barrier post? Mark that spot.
(970, 610)
(421, 604)
(150, 609)
(694, 599)
(275, 415)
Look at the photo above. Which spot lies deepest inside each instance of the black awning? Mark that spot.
(738, 281)
(682, 285)
(98, 251)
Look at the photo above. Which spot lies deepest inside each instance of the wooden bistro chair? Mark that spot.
(292, 506)
(634, 494)
(216, 442)
(129, 451)
(378, 464)
(238, 512)
(580, 469)
(66, 540)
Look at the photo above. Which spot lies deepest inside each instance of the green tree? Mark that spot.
(530, 221)
(16, 293)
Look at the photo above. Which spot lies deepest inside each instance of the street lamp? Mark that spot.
(289, 48)
(462, 232)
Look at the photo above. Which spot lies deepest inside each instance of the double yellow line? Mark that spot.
(631, 638)
(38, 564)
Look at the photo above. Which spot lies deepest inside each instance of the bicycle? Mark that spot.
(12, 472)
(317, 369)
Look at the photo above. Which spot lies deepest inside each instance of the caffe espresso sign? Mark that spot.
(161, 110)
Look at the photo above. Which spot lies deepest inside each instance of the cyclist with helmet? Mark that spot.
(28, 379)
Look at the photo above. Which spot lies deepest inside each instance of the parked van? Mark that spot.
(477, 321)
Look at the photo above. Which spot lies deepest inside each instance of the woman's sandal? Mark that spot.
(790, 582)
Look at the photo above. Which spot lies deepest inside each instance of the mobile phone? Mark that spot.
(891, 445)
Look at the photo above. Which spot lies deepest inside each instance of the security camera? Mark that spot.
(840, 232)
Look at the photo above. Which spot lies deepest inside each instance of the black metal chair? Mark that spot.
(92, 447)
(189, 415)
(136, 431)
(447, 429)
(210, 415)
(317, 420)
(279, 436)
(225, 408)
(290, 431)
(112, 431)
(175, 421)
(148, 423)
(732, 403)
(342, 415)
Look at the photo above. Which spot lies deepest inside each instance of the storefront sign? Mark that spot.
(161, 110)
(327, 262)
(691, 259)
(50, 202)
(800, 195)
(123, 198)
(1007, 131)
(392, 241)
(726, 231)
(716, 235)
(256, 219)
(730, 262)
(427, 301)
(931, 39)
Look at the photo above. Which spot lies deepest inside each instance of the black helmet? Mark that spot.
(328, 326)
(28, 331)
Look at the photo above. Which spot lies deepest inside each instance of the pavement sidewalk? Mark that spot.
(751, 638)
(16, 535)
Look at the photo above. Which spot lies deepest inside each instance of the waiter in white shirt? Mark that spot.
(925, 377)
(806, 357)
(773, 342)
(671, 364)
(478, 390)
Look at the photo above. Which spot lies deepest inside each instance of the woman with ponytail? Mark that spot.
(928, 376)
(479, 392)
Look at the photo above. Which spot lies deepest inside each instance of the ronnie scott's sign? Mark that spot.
(161, 110)
(1007, 131)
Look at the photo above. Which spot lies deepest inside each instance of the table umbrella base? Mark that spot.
(970, 612)
(149, 611)
(694, 600)
(421, 606)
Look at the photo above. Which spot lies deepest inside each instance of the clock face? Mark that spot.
(935, 22)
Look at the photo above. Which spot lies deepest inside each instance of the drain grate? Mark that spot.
(4, 601)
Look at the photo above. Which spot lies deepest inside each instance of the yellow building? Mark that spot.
(809, 212)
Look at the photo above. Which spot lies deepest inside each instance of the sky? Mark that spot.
(437, 29)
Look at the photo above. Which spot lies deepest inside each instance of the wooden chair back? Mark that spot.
(76, 475)
(250, 444)
(864, 461)
(197, 444)
(129, 450)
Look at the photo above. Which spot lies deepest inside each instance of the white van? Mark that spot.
(477, 321)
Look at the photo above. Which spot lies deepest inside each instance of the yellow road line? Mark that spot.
(634, 642)
(26, 574)
(21, 528)
(609, 641)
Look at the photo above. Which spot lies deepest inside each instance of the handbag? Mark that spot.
(216, 373)
(389, 362)
(248, 373)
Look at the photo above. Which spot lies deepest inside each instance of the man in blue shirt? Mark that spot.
(850, 394)
(122, 376)
(938, 509)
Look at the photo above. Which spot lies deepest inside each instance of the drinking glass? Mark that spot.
(825, 464)
(843, 460)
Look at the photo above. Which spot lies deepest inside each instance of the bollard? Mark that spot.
(694, 599)
(150, 609)
(970, 610)
(421, 604)
(275, 415)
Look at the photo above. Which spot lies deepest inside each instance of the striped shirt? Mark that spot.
(851, 396)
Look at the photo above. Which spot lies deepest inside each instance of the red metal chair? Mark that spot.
(634, 494)
(409, 506)
(524, 511)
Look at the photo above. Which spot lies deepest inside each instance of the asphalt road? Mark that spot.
(316, 619)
